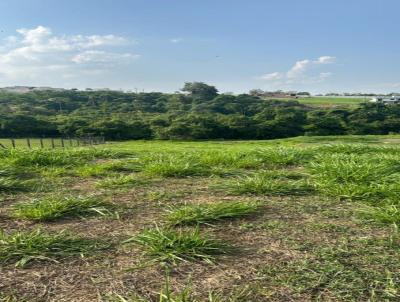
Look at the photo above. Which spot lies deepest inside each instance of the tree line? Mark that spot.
(198, 111)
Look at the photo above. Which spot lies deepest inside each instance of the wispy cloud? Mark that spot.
(176, 40)
(300, 72)
(38, 52)
(272, 76)
(100, 56)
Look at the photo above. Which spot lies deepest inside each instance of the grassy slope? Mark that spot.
(321, 245)
(330, 101)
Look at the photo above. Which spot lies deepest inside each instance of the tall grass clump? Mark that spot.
(11, 185)
(14, 180)
(385, 214)
(23, 247)
(174, 165)
(121, 181)
(270, 183)
(102, 169)
(283, 156)
(208, 213)
(258, 158)
(53, 157)
(173, 246)
(357, 177)
(57, 207)
(359, 149)
(230, 159)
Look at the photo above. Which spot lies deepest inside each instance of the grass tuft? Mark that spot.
(365, 177)
(11, 185)
(121, 181)
(23, 247)
(270, 183)
(175, 166)
(385, 214)
(173, 246)
(56, 207)
(203, 214)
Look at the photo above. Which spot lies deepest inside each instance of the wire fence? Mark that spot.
(51, 143)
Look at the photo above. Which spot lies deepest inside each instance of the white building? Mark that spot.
(386, 99)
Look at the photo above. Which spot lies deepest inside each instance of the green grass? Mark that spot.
(327, 230)
(10, 185)
(56, 157)
(57, 207)
(210, 213)
(338, 274)
(369, 177)
(174, 165)
(35, 143)
(122, 181)
(386, 214)
(270, 183)
(330, 101)
(21, 248)
(15, 180)
(173, 246)
(100, 169)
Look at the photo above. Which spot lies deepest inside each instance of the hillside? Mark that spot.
(198, 112)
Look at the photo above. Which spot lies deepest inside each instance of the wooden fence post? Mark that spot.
(13, 142)
(52, 143)
(28, 142)
(41, 143)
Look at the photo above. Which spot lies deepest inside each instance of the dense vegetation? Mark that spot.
(199, 112)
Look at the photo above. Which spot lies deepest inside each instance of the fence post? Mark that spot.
(13, 142)
(41, 143)
(52, 143)
(62, 142)
(28, 142)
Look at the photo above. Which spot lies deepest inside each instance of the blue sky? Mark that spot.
(311, 45)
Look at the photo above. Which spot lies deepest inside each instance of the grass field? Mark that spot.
(331, 101)
(300, 219)
(35, 143)
(48, 143)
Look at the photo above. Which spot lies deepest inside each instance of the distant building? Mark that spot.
(386, 99)
(26, 89)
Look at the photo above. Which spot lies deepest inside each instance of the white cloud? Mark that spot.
(38, 53)
(325, 60)
(298, 68)
(272, 76)
(301, 72)
(176, 40)
(99, 56)
(325, 75)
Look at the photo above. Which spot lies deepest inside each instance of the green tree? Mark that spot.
(200, 91)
